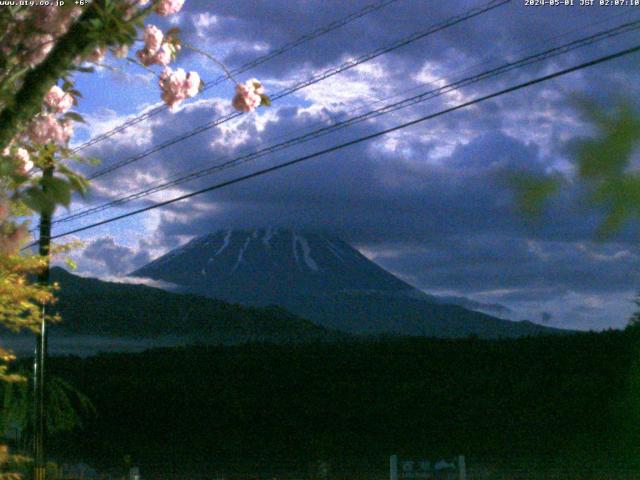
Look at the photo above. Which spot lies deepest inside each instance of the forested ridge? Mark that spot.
(569, 398)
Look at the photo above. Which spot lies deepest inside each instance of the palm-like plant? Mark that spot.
(67, 407)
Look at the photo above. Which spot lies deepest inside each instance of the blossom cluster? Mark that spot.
(249, 96)
(58, 100)
(156, 50)
(178, 85)
(11, 236)
(10, 242)
(49, 23)
(36, 30)
(21, 157)
(54, 124)
(168, 7)
(47, 128)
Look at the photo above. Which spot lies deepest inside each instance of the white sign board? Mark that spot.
(419, 469)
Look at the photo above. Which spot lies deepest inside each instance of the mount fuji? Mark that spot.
(324, 279)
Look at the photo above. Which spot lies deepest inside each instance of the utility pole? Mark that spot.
(44, 245)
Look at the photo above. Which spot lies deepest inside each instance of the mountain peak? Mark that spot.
(258, 266)
(319, 277)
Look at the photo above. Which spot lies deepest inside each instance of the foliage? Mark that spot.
(67, 406)
(604, 169)
(41, 49)
(558, 399)
(94, 307)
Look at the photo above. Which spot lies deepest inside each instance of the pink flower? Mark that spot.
(97, 56)
(122, 51)
(164, 55)
(9, 244)
(67, 129)
(38, 47)
(156, 50)
(46, 129)
(192, 84)
(247, 97)
(55, 20)
(256, 85)
(24, 161)
(153, 37)
(21, 157)
(58, 99)
(169, 7)
(177, 86)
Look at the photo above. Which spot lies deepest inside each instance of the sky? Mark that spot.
(431, 203)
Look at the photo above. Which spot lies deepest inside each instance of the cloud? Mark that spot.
(112, 258)
(431, 203)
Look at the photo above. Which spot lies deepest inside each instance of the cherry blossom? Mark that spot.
(178, 85)
(9, 244)
(122, 51)
(21, 157)
(38, 47)
(24, 160)
(46, 128)
(97, 56)
(247, 96)
(153, 37)
(169, 7)
(162, 56)
(256, 85)
(58, 99)
(55, 20)
(156, 50)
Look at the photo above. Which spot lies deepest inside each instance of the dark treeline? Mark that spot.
(569, 398)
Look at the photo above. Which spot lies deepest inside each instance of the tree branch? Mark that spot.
(27, 102)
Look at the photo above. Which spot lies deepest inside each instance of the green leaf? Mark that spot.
(266, 101)
(533, 191)
(609, 153)
(80, 68)
(74, 116)
(57, 190)
(78, 183)
(70, 263)
(35, 199)
(96, 24)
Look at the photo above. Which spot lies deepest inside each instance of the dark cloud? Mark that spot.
(431, 203)
(115, 259)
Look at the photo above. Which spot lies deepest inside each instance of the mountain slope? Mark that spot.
(262, 267)
(321, 278)
(91, 306)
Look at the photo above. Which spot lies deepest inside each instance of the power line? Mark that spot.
(247, 66)
(404, 103)
(310, 81)
(365, 138)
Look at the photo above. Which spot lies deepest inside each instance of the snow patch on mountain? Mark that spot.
(225, 242)
(241, 253)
